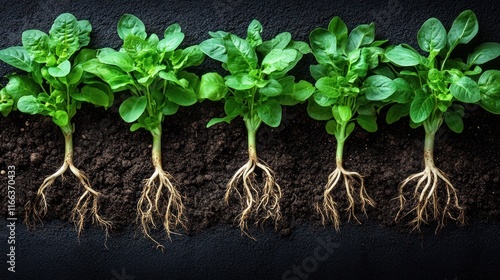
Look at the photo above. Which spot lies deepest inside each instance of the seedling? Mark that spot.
(436, 83)
(153, 70)
(55, 86)
(254, 90)
(348, 92)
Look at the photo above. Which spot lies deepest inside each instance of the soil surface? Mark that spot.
(203, 160)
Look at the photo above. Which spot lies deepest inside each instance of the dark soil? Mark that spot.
(203, 160)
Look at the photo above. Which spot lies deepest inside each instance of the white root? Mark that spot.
(152, 202)
(254, 199)
(81, 209)
(328, 209)
(425, 198)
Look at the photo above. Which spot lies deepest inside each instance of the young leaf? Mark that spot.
(323, 45)
(432, 35)
(403, 56)
(253, 33)
(241, 57)
(464, 28)
(278, 60)
(345, 113)
(29, 104)
(60, 118)
(339, 29)
(36, 43)
(131, 25)
(64, 36)
(378, 87)
(92, 94)
(362, 35)
(466, 90)
(317, 112)
(132, 108)
(454, 121)
(60, 70)
(270, 113)
(212, 87)
(120, 59)
(279, 42)
(272, 88)
(421, 106)
(484, 53)
(181, 96)
(215, 49)
(17, 57)
(367, 122)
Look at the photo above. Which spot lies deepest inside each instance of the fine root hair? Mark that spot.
(328, 209)
(160, 198)
(258, 201)
(425, 202)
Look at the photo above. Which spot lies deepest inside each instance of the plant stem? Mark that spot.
(156, 149)
(431, 126)
(340, 136)
(252, 127)
(68, 143)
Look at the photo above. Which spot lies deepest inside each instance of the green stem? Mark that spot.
(431, 126)
(340, 136)
(252, 128)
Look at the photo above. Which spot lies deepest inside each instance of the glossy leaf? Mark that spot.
(466, 90)
(17, 57)
(464, 28)
(403, 56)
(131, 25)
(432, 35)
(270, 113)
(484, 53)
(132, 108)
(212, 87)
(378, 87)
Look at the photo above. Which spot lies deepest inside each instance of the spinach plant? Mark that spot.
(348, 92)
(255, 89)
(438, 83)
(54, 85)
(153, 70)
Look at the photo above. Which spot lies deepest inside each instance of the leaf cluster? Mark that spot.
(258, 83)
(54, 73)
(348, 86)
(435, 82)
(152, 69)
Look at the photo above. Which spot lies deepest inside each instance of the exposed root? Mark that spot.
(425, 199)
(40, 206)
(328, 211)
(255, 200)
(81, 209)
(153, 202)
